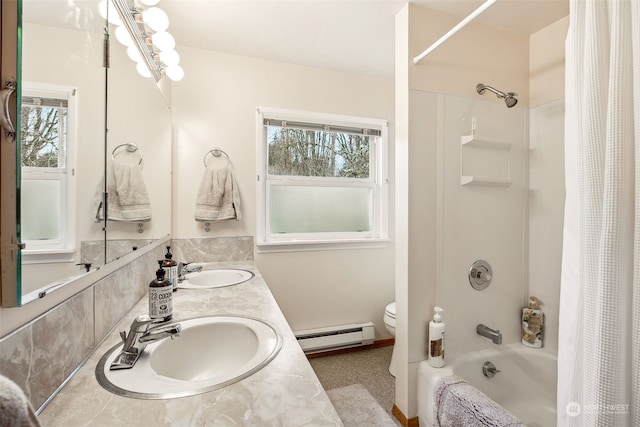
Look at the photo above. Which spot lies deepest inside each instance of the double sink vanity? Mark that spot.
(227, 357)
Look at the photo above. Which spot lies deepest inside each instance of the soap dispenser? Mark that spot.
(170, 269)
(436, 339)
(532, 324)
(160, 296)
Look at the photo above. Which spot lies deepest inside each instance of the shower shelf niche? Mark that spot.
(484, 142)
(479, 180)
(491, 158)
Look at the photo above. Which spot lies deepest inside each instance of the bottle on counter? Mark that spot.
(436, 339)
(170, 267)
(532, 324)
(160, 296)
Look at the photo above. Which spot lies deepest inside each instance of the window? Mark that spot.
(322, 182)
(46, 197)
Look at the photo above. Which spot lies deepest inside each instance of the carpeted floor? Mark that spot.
(367, 367)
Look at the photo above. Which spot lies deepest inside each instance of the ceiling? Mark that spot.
(354, 36)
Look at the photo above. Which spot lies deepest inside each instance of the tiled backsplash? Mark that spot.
(42, 354)
(213, 249)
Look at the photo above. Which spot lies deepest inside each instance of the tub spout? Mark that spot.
(493, 334)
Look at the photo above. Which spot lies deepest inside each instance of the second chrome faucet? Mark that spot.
(493, 334)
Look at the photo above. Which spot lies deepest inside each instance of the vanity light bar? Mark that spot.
(131, 25)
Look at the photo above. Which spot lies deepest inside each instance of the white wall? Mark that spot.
(481, 222)
(215, 106)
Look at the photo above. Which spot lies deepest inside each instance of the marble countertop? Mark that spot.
(286, 392)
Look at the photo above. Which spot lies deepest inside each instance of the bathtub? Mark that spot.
(526, 385)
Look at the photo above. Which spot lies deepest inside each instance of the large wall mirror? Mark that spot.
(81, 124)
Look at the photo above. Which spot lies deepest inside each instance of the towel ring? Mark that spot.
(216, 152)
(131, 147)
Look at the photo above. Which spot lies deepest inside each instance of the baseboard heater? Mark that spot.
(336, 337)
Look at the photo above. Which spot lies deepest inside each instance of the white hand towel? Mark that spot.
(457, 403)
(218, 196)
(127, 196)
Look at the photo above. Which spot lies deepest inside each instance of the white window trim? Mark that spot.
(66, 248)
(378, 238)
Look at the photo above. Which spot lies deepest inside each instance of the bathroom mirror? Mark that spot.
(74, 113)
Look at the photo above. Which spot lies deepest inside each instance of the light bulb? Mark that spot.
(134, 53)
(150, 2)
(143, 70)
(108, 11)
(174, 72)
(163, 40)
(123, 36)
(156, 19)
(170, 57)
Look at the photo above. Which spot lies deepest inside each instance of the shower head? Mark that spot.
(509, 97)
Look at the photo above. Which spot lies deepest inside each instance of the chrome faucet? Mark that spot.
(183, 270)
(140, 334)
(493, 334)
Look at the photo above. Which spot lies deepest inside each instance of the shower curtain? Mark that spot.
(599, 343)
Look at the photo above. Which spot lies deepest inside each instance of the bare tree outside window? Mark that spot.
(298, 152)
(43, 136)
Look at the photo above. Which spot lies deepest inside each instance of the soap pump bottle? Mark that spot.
(436, 339)
(160, 296)
(170, 269)
(532, 324)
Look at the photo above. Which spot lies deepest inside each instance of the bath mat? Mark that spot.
(357, 408)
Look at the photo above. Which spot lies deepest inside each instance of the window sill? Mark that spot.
(320, 245)
(42, 256)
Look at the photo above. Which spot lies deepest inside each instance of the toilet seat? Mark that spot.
(390, 310)
(390, 324)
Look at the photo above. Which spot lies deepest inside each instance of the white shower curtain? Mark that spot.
(599, 343)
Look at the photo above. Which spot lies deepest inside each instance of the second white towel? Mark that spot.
(218, 197)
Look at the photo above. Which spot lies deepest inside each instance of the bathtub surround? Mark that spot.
(546, 209)
(42, 354)
(525, 385)
(445, 227)
(599, 345)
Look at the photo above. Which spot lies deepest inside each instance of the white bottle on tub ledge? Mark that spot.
(436, 339)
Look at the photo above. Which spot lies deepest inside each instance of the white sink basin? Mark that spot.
(216, 278)
(211, 352)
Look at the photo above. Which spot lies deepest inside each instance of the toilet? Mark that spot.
(390, 324)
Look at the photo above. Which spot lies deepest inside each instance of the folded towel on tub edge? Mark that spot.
(458, 403)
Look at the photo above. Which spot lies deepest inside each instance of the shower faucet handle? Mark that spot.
(480, 275)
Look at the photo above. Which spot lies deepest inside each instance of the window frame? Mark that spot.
(378, 182)
(64, 248)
